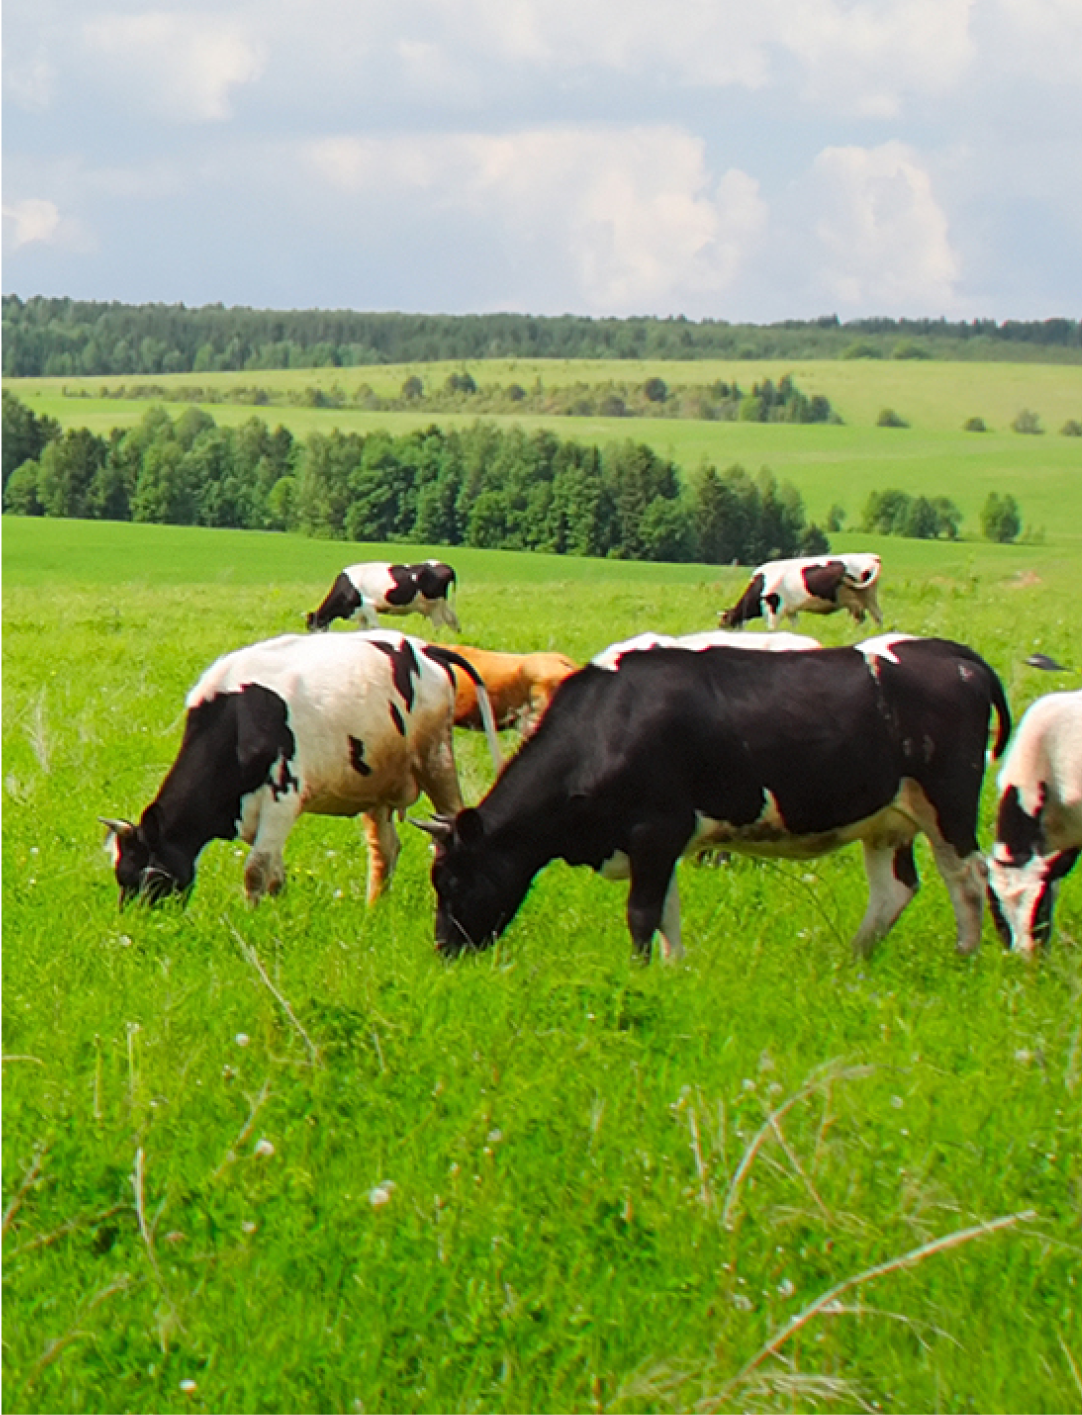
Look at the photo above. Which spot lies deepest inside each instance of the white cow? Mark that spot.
(821, 584)
(374, 587)
(333, 726)
(1039, 822)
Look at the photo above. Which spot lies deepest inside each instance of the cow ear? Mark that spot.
(120, 828)
(469, 826)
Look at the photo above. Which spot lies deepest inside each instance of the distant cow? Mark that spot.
(787, 755)
(378, 587)
(519, 686)
(1039, 822)
(709, 639)
(821, 584)
(331, 726)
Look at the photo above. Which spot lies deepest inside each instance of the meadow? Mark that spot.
(288, 1159)
(831, 465)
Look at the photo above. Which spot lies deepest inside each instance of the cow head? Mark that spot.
(147, 867)
(1021, 895)
(478, 888)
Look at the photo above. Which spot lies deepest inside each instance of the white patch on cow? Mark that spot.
(1018, 889)
(882, 646)
(609, 658)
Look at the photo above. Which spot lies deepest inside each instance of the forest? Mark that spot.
(65, 337)
(481, 486)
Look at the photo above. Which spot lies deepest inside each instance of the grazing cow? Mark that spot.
(709, 639)
(820, 585)
(1039, 822)
(786, 755)
(377, 587)
(334, 727)
(519, 686)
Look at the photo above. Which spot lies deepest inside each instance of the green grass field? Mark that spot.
(829, 464)
(288, 1160)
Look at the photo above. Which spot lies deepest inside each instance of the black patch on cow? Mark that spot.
(233, 744)
(404, 589)
(748, 606)
(822, 581)
(433, 581)
(1016, 829)
(404, 667)
(342, 601)
(356, 757)
(398, 720)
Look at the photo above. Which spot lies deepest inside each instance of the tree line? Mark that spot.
(65, 337)
(481, 485)
(459, 391)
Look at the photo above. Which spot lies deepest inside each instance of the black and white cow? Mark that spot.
(332, 726)
(786, 755)
(377, 587)
(1039, 822)
(818, 584)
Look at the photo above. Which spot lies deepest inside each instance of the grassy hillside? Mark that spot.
(286, 1159)
(829, 464)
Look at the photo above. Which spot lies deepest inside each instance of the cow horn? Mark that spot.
(120, 828)
(439, 827)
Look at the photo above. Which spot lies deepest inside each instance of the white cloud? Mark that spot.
(629, 219)
(884, 238)
(868, 57)
(30, 220)
(184, 66)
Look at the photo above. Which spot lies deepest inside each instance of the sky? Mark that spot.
(745, 160)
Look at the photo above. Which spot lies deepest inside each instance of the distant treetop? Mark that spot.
(67, 338)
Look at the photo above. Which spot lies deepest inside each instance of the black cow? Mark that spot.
(378, 587)
(784, 755)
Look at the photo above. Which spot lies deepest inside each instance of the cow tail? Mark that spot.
(447, 657)
(1003, 713)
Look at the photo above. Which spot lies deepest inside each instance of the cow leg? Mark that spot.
(383, 848)
(964, 877)
(438, 778)
(264, 869)
(892, 883)
(672, 945)
(653, 901)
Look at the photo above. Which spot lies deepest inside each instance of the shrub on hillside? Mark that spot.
(974, 425)
(1028, 422)
(889, 418)
(1071, 428)
(1001, 519)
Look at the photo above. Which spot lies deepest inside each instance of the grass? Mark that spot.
(285, 1159)
(829, 464)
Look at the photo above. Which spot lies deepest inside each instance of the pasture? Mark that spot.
(830, 464)
(287, 1159)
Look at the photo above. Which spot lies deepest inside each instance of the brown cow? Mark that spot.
(519, 686)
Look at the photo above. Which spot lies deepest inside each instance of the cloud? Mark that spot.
(627, 219)
(31, 220)
(184, 66)
(883, 237)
